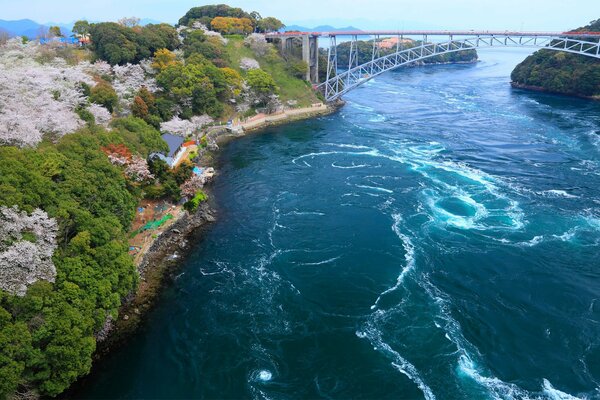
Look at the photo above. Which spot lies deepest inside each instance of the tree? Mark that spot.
(261, 82)
(269, 24)
(54, 31)
(15, 351)
(258, 44)
(205, 14)
(81, 28)
(104, 94)
(163, 58)
(129, 22)
(139, 108)
(197, 42)
(190, 86)
(231, 25)
(118, 44)
(27, 243)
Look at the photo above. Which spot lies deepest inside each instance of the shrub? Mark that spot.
(192, 205)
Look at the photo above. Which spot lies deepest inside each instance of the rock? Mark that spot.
(177, 231)
(125, 317)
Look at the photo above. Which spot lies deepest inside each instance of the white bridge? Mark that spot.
(338, 82)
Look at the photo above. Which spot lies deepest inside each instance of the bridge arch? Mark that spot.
(339, 83)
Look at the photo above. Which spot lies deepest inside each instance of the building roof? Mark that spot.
(174, 143)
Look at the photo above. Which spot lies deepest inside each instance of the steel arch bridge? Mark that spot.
(340, 82)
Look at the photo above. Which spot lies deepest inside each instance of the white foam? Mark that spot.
(409, 258)
(353, 166)
(349, 146)
(556, 394)
(559, 193)
(330, 260)
(376, 188)
(400, 363)
(265, 375)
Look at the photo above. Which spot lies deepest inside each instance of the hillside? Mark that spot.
(79, 131)
(560, 72)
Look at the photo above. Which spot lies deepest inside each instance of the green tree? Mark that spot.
(261, 82)
(81, 28)
(205, 14)
(104, 94)
(54, 31)
(269, 24)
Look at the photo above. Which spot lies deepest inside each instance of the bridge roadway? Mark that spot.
(275, 35)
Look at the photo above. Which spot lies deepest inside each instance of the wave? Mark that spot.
(376, 188)
(400, 363)
(559, 193)
(353, 166)
(328, 261)
(409, 257)
(556, 394)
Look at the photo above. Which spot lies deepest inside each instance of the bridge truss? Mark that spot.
(339, 82)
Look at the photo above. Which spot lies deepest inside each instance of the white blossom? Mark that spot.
(258, 43)
(183, 127)
(137, 169)
(128, 79)
(101, 114)
(35, 98)
(27, 243)
(249, 63)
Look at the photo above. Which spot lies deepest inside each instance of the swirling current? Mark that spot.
(437, 238)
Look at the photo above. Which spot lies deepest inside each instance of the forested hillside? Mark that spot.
(561, 72)
(77, 124)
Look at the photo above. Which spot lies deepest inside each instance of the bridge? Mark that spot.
(341, 80)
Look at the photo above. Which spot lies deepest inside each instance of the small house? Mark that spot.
(176, 149)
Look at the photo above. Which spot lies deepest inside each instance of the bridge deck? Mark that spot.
(433, 33)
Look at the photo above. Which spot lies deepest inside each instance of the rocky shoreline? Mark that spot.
(540, 89)
(163, 257)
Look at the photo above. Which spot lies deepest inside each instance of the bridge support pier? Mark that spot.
(310, 53)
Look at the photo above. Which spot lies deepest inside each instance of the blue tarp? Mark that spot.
(69, 40)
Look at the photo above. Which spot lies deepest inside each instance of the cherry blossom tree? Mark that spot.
(137, 169)
(27, 243)
(101, 114)
(37, 99)
(258, 44)
(249, 63)
(183, 127)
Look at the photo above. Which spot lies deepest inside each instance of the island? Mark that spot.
(560, 72)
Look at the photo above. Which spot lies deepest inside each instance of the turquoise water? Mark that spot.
(437, 238)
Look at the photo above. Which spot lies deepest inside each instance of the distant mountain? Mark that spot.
(29, 28)
(22, 27)
(320, 28)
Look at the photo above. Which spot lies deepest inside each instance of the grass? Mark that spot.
(290, 87)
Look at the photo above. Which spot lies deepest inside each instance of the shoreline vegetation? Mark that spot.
(561, 73)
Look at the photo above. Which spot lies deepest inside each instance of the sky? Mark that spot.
(530, 15)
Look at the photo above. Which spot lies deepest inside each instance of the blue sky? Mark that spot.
(370, 14)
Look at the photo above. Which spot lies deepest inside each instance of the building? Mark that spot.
(176, 149)
(391, 42)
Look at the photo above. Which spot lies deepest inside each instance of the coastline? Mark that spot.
(540, 89)
(163, 256)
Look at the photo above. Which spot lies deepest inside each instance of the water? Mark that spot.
(436, 238)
